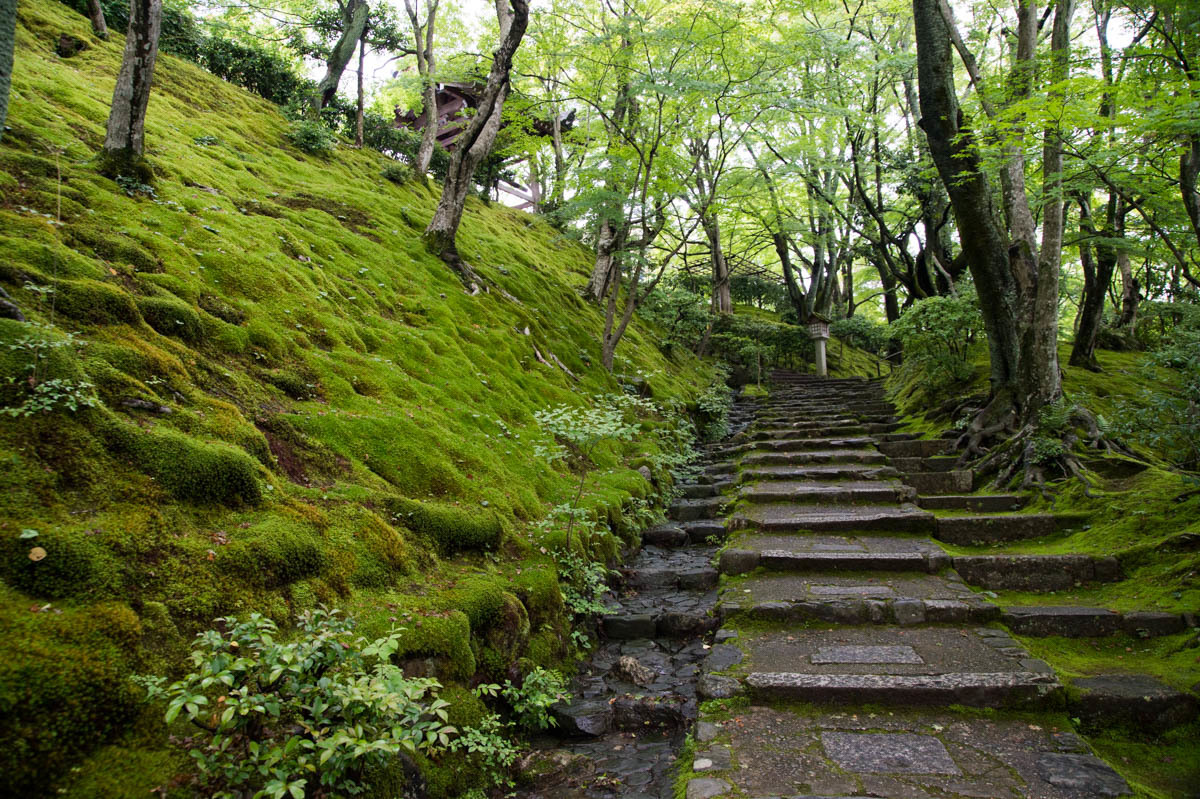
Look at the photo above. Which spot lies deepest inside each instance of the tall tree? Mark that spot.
(96, 14)
(124, 140)
(354, 14)
(475, 142)
(422, 33)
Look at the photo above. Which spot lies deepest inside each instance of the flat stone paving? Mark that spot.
(864, 491)
(819, 586)
(786, 517)
(780, 752)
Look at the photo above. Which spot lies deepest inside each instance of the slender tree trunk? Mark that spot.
(1097, 275)
(96, 13)
(475, 142)
(609, 242)
(8, 33)
(1189, 169)
(423, 45)
(358, 116)
(722, 299)
(354, 25)
(124, 140)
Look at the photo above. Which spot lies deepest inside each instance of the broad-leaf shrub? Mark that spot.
(861, 332)
(936, 335)
(303, 718)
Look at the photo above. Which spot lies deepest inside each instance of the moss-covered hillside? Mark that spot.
(283, 401)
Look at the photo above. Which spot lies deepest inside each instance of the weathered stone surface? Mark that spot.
(630, 670)
(698, 579)
(713, 686)
(909, 611)
(706, 731)
(865, 654)
(721, 657)
(738, 561)
(1087, 774)
(1147, 624)
(543, 769)
(706, 788)
(888, 753)
(944, 611)
(686, 510)
(704, 530)
(682, 624)
(648, 712)
(933, 483)
(915, 448)
(666, 535)
(1131, 700)
(848, 491)
(991, 529)
(640, 625)
(1068, 621)
(980, 503)
(1034, 572)
(782, 517)
(583, 718)
(1002, 689)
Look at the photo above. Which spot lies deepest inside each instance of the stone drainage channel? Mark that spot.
(634, 701)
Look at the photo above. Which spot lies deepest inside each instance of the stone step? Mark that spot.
(828, 553)
(791, 431)
(880, 428)
(1136, 702)
(904, 599)
(982, 503)
(802, 444)
(933, 665)
(939, 483)
(686, 579)
(1000, 528)
(926, 465)
(703, 490)
(1036, 572)
(815, 456)
(687, 510)
(787, 517)
(915, 448)
(1075, 621)
(702, 531)
(667, 536)
(783, 751)
(840, 491)
(826, 472)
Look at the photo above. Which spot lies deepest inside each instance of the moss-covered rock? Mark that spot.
(57, 564)
(95, 302)
(280, 551)
(172, 317)
(451, 528)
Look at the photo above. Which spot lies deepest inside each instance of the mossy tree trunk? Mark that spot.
(8, 32)
(354, 26)
(423, 49)
(475, 142)
(96, 14)
(124, 140)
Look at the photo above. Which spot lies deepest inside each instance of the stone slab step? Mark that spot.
(785, 517)
(1000, 528)
(937, 483)
(1076, 621)
(836, 427)
(981, 503)
(782, 752)
(821, 443)
(687, 510)
(1035, 572)
(686, 579)
(891, 665)
(702, 531)
(872, 456)
(831, 553)
(843, 491)
(914, 448)
(938, 463)
(827, 471)
(1134, 701)
(664, 624)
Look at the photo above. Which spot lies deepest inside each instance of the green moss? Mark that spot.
(279, 551)
(111, 246)
(95, 302)
(172, 317)
(57, 564)
(187, 468)
(451, 528)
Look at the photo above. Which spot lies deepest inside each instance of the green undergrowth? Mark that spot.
(264, 394)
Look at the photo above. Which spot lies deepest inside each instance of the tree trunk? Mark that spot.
(1096, 278)
(722, 299)
(609, 242)
(354, 24)
(475, 142)
(423, 45)
(8, 32)
(124, 140)
(358, 116)
(1129, 292)
(96, 13)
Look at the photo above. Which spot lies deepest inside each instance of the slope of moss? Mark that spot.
(291, 403)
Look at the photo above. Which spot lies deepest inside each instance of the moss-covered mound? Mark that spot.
(249, 387)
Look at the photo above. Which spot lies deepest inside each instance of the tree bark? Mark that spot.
(358, 116)
(423, 45)
(722, 299)
(1097, 275)
(96, 14)
(8, 33)
(475, 142)
(354, 25)
(124, 140)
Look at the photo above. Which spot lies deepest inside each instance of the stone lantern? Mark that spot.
(818, 331)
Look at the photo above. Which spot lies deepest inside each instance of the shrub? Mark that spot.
(936, 335)
(532, 699)
(861, 332)
(307, 717)
(1169, 423)
(397, 173)
(312, 137)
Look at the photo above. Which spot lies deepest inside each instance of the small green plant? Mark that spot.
(133, 186)
(51, 394)
(312, 137)
(936, 335)
(531, 700)
(397, 173)
(491, 741)
(297, 719)
(583, 583)
(206, 140)
(715, 403)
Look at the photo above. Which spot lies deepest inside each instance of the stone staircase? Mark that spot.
(852, 652)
